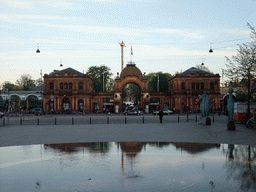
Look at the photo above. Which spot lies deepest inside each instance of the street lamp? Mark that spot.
(41, 88)
(61, 63)
(37, 51)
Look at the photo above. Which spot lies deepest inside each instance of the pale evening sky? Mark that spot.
(165, 35)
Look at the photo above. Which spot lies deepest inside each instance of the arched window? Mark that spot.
(193, 86)
(80, 86)
(61, 86)
(182, 86)
(70, 86)
(202, 86)
(197, 86)
(66, 86)
(212, 86)
(51, 86)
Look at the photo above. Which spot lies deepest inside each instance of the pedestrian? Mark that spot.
(219, 110)
(174, 110)
(161, 114)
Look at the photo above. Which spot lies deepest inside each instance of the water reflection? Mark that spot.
(128, 166)
(241, 166)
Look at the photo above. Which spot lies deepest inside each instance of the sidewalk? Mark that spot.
(165, 132)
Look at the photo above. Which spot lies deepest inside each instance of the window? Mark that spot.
(212, 86)
(197, 86)
(193, 86)
(202, 86)
(70, 86)
(66, 86)
(182, 86)
(80, 86)
(61, 86)
(51, 86)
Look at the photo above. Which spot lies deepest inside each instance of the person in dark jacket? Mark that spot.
(161, 114)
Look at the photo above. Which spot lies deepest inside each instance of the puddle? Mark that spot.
(128, 166)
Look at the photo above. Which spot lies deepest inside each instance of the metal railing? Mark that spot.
(75, 120)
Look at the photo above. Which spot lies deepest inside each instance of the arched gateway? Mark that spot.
(131, 74)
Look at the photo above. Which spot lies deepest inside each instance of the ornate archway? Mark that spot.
(131, 74)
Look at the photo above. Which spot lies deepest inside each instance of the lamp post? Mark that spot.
(41, 88)
(158, 82)
(103, 81)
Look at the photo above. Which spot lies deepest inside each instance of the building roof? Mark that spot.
(131, 70)
(193, 70)
(38, 88)
(67, 70)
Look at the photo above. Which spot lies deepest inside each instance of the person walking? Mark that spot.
(219, 110)
(161, 114)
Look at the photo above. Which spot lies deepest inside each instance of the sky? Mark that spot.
(165, 35)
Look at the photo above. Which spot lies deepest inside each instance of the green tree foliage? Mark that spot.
(9, 86)
(96, 73)
(163, 81)
(111, 85)
(131, 92)
(25, 83)
(38, 82)
(242, 66)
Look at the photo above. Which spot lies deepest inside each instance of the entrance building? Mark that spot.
(186, 88)
(70, 91)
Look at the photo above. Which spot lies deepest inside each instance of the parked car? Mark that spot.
(132, 112)
(1, 114)
(165, 111)
(37, 111)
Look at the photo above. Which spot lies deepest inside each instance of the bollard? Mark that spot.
(38, 121)
(187, 116)
(125, 120)
(107, 120)
(178, 118)
(90, 120)
(72, 120)
(196, 118)
(55, 121)
(3, 121)
(20, 121)
(143, 119)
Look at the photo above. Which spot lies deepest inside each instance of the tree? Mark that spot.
(131, 91)
(97, 74)
(38, 82)
(25, 83)
(204, 68)
(163, 81)
(7, 85)
(111, 85)
(243, 66)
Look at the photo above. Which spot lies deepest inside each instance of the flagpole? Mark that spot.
(131, 53)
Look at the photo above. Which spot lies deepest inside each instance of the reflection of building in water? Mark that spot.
(67, 147)
(130, 150)
(194, 148)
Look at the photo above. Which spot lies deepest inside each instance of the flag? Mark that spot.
(131, 51)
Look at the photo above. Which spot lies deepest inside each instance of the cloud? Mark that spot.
(59, 4)
(19, 17)
(19, 4)
(178, 32)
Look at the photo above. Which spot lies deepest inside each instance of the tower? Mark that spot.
(122, 55)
